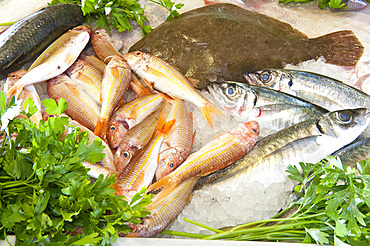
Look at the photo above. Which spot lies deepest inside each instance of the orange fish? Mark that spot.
(103, 45)
(220, 152)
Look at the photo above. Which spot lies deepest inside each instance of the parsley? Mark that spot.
(45, 191)
(334, 208)
(115, 13)
(334, 4)
(170, 6)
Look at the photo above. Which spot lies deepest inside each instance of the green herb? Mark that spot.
(334, 4)
(334, 208)
(46, 195)
(170, 6)
(117, 13)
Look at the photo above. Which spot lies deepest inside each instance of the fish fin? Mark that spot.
(164, 127)
(165, 96)
(164, 185)
(192, 140)
(340, 48)
(150, 85)
(191, 115)
(15, 90)
(100, 129)
(138, 87)
(209, 111)
(194, 82)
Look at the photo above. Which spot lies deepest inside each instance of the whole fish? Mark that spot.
(165, 210)
(28, 91)
(217, 154)
(32, 34)
(178, 142)
(326, 92)
(354, 152)
(130, 114)
(56, 63)
(221, 41)
(134, 140)
(168, 79)
(273, 110)
(81, 107)
(102, 45)
(116, 80)
(140, 171)
(88, 77)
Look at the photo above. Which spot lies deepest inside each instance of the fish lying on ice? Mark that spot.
(32, 34)
(321, 90)
(222, 41)
(273, 110)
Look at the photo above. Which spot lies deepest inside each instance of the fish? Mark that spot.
(88, 77)
(217, 154)
(178, 142)
(102, 45)
(206, 44)
(308, 141)
(141, 170)
(81, 107)
(354, 152)
(116, 80)
(165, 210)
(129, 114)
(321, 90)
(135, 139)
(273, 110)
(29, 36)
(57, 63)
(94, 61)
(168, 79)
(28, 91)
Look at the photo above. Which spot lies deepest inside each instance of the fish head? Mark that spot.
(117, 129)
(82, 28)
(76, 66)
(276, 79)
(345, 125)
(168, 161)
(235, 98)
(99, 34)
(13, 78)
(123, 155)
(137, 59)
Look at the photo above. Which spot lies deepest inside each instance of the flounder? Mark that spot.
(221, 41)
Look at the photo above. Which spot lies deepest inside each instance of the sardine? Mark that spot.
(222, 41)
(56, 63)
(134, 140)
(102, 45)
(354, 152)
(141, 170)
(116, 80)
(81, 107)
(326, 92)
(273, 110)
(178, 142)
(168, 79)
(217, 154)
(32, 34)
(308, 141)
(130, 114)
(165, 210)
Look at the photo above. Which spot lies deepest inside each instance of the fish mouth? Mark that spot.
(250, 78)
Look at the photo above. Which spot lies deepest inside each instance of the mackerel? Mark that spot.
(354, 152)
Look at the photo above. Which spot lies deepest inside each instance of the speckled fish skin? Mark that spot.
(102, 45)
(308, 141)
(32, 34)
(88, 77)
(326, 92)
(140, 171)
(81, 107)
(222, 41)
(165, 210)
(168, 79)
(178, 142)
(354, 152)
(58, 62)
(134, 140)
(130, 114)
(116, 80)
(273, 110)
(217, 154)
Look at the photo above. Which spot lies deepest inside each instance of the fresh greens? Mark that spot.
(117, 13)
(334, 4)
(334, 208)
(46, 195)
(170, 6)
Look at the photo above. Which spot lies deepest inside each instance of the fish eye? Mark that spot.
(231, 90)
(255, 130)
(265, 77)
(172, 165)
(13, 76)
(290, 83)
(112, 128)
(138, 53)
(97, 32)
(125, 154)
(344, 116)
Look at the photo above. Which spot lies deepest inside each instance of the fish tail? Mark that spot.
(209, 111)
(100, 129)
(138, 87)
(340, 48)
(164, 185)
(164, 127)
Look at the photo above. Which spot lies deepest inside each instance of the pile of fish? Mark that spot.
(301, 116)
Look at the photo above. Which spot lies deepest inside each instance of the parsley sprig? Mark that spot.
(170, 6)
(45, 192)
(333, 4)
(334, 208)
